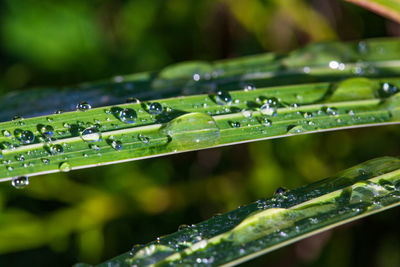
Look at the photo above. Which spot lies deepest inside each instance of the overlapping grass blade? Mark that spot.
(387, 8)
(80, 139)
(270, 223)
(314, 63)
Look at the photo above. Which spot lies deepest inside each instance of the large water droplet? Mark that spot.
(20, 182)
(83, 106)
(91, 134)
(56, 149)
(192, 130)
(127, 115)
(155, 108)
(24, 136)
(46, 130)
(223, 98)
(64, 167)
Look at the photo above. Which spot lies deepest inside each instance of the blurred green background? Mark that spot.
(94, 214)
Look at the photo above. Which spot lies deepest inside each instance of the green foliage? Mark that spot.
(94, 214)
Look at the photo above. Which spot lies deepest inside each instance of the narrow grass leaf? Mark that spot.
(274, 222)
(91, 137)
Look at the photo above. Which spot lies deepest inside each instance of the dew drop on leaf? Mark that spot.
(24, 136)
(155, 108)
(94, 147)
(269, 107)
(116, 144)
(83, 106)
(246, 113)
(235, 124)
(265, 122)
(132, 100)
(20, 157)
(127, 115)
(223, 98)
(47, 130)
(192, 130)
(6, 133)
(249, 87)
(295, 129)
(64, 166)
(387, 90)
(56, 149)
(280, 191)
(91, 134)
(143, 139)
(20, 182)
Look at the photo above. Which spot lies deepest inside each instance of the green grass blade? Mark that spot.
(321, 62)
(387, 8)
(81, 139)
(270, 223)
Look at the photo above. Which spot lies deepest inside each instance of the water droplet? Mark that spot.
(24, 136)
(127, 115)
(330, 111)
(223, 98)
(249, 87)
(94, 147)
(83, 106)
(132, 100)
(64, 167)
(56, 149)
(20, 182)
(116, 144)
(47, 130)
(280, 191)
(192, 130)
(296, 129)
(268, 109)
(265, 121)
(46, 161)
(6, 133)
(10, 168)
(155, 108)
(143, 138)
(91, 134)
(246, 113)
(388, 89)
(20, 157)
(17, 118)
(235, 124)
